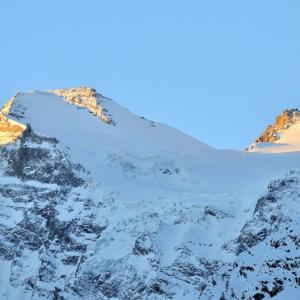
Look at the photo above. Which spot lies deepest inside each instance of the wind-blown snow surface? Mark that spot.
(139, 210)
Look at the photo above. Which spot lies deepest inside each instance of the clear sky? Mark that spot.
(217, 70)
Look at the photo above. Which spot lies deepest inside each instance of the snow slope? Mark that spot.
(98, 203)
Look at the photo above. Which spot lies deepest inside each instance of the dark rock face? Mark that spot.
(123, 284)
(143, 245)
(30, 160)
(272, 231)
(267, 215)
(46, 180)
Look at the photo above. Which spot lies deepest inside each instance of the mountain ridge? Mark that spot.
(133, 209)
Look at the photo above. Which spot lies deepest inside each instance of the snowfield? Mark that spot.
(98, 203)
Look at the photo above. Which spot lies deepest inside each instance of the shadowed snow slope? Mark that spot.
(98, 203)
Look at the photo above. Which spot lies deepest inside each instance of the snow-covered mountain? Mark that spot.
(98, 203)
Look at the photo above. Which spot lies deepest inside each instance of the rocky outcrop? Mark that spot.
(282, 122)
(86, 97)
(10, 130)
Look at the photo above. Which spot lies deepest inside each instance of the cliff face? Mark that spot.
(282, 122)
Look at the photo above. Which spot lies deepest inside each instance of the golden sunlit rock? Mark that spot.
(282, 122)
(10, 130)
(85, 97)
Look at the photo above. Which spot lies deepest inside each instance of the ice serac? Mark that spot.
(282, 136)
(99, 203)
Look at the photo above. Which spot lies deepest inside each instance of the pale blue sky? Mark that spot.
(217, 70)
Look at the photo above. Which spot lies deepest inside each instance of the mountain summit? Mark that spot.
(99, 203)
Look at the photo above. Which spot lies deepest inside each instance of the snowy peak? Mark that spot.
(52, 111)
(14, 113)
(282, 136)
(82, 97)
(70, 113)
